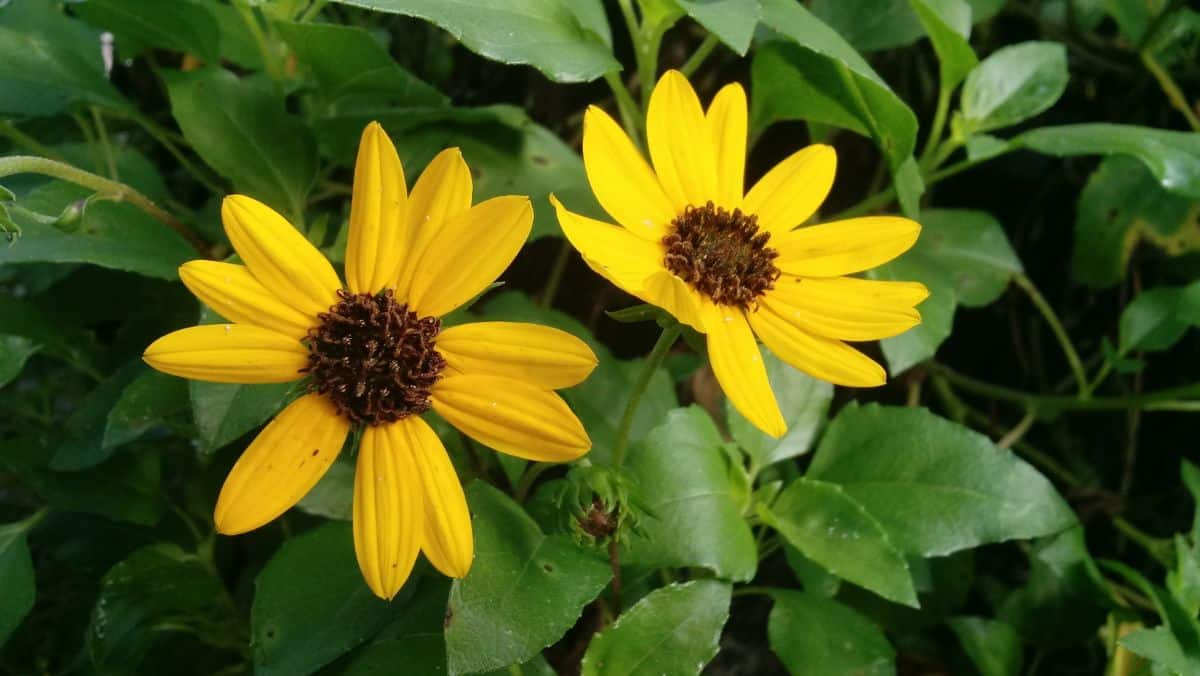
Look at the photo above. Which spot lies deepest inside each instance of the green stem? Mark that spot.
(702, 52)
(1105, 369)
(631, 114)
(25, 164)
(556, 274)
(313, 10)
(1166, 399)
(885, 196)
(26, 141)
(110, 158)
(1056, 327)
(30, 522)
(1158, 548)
(1171, 89)
(163, 137)
(528, 477)
(260, 38)
(935, 129)
(653, 361)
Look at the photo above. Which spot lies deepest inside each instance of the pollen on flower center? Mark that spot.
(721, 254)
(374, 358)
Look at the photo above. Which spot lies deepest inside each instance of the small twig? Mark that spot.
(614, 560)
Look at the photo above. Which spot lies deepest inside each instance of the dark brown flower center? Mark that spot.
(374, 358)
(721, 254)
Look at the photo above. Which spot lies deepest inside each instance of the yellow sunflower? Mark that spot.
(732, 264)
(375, 356)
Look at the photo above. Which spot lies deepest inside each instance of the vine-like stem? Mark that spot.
(653, 362)
(26, 141)
(698, 57)
(25, 164)
(1056, 327)
(631, 114)
(163, 137)
(1171, 89)
(554, 279)
(935, 129)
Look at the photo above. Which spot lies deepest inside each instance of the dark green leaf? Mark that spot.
(413, 639)
(16, 578)
(1122, 205)
(672, 630)
(249, 138)
(26, 321)
(14, 352)
(1014, 84)
(804, 400)
(731, 20)
(1150, 321)
(83, 443)
(993, 646)
(113, 235)
(684, 478)
(224, 412)
(158, 590)
(937, 487)
(311, 604)
(937, 312)
(870, 25)
(524, 591)
(948, 24)
(550, 35)
(346, 60)
(180, 26)
(815, 635)
(333, 496)
(834, 531)
(147, 403)
(818, 77)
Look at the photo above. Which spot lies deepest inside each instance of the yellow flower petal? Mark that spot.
(378, 209)
(280, 466)
(844, 247)
(232, 292)
(228, 353)
(727, 122)
(824, 358)
(792, 191)
(388, 507)
(512, 417)
(738, 365)
(847, 308)
(680, 142)
(448, 542)
(614, 253)
(621, 180)
(279, 256)
(443, 191)
(673, 294)
(539, 355)
(468, 253)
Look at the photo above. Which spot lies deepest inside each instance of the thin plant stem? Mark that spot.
(556, 273)
(528, 477)
(27, 142)
(703, 51)
(655, 359)
(313, 10)
(1056, 327)
(110, 157)
(1171, 89)
(25, 164)
(935, 129)
(163, 137)
(1018, 431)
(631, 114)
(260, 38)
(1042, 459)
(89, 138)
(614, 561)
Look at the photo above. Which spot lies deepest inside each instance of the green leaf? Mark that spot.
(413, 638)
(833, 530)
(815, 635)
(937, 312)
(180, 26)
(992, 645)
(14, 352)
(817, 76)
(948, 25)
(147, 403)
(16, 578)
(224, 412)
(684, 479)
(1183, 627)
(802, 399)
(549, 35)
(1151, 322)
(971, 249)
(311, 604)
(249, 138)
(158, 590)
(83, 440)
(524, 591)
(1184, 579)
(1173, 157)
(731, 20)
(870, 25)
(672, 630)
(347, 60)
(72, 345)
(936, 486)
(113, 235)
(1121, 206)
(1013, 84)
(49, 62)
(813, 578)
(1161, 648)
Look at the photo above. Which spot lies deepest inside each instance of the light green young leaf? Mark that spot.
(249, 138)
(311, 604)
(683, 476)
(1151, 322)
(672, 630)
(181, 25)
(948, 24)
(1183, 626)
(1160, 647)
(546, 34)
(524, 591)
(17, 584)
(815, 635)
(1014, 84)
(833, 530)
(731, 20)
(936, 487)
(992, 645)
(802, 399)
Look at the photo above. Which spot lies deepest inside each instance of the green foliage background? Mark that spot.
(1018, 499)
